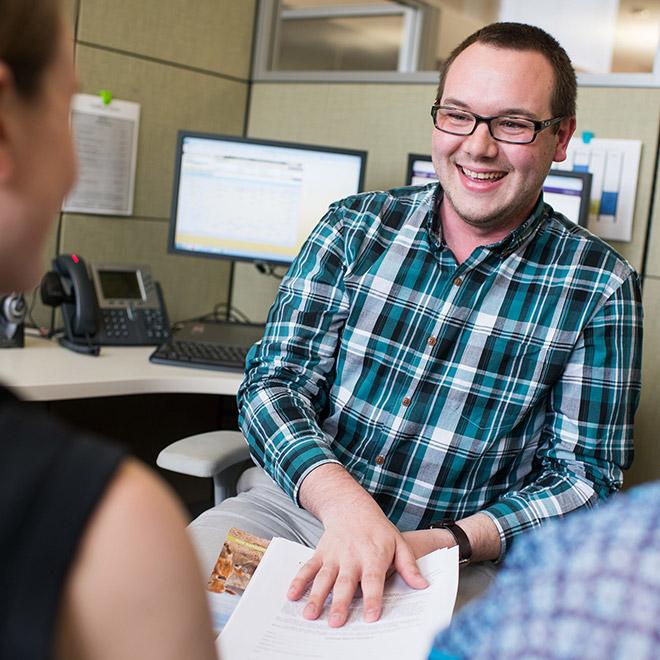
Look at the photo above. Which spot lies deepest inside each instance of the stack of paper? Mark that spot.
(267, 626)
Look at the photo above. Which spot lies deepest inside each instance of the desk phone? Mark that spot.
(107, 305)
(130, 305)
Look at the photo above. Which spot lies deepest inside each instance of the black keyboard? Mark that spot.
(200, 354)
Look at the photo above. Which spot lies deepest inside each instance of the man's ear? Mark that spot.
(564, 135)
(7, 103)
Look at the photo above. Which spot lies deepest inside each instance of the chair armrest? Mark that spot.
(205, 454)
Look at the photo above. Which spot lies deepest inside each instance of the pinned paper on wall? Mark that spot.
(105, 133)
(614, 166)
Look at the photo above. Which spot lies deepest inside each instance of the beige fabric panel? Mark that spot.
(653, 257)
(70, 9)
(627, 114)
(213, 35)
(367, 117)
(191, 286)
(156, 53)
(253, 292)
(646, 465)
(41, 313)
(171, 98)
(390, 121)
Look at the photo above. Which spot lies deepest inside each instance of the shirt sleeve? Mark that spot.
(587, 439)
(289, 373)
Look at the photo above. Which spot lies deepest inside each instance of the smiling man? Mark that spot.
(493, 147)
(447, 364)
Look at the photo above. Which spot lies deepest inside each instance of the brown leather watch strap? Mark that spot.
(464, 547)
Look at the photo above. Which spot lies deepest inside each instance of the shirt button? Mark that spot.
(431, 341)
(406, 401)
(380, 460)
(458, 281)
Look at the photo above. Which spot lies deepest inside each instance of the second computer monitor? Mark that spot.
(257, 200)
(566, 191)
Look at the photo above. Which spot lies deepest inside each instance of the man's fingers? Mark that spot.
(342, 596)
(406, 566)
(323, 583)
(304, 576)
(372, 583)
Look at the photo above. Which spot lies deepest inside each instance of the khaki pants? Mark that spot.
(263, 509)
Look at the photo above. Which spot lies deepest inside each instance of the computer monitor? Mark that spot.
(420, 170)
(569, 193)
(255, 200)
(566, 191)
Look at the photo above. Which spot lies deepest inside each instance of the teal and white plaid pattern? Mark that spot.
(507, 384)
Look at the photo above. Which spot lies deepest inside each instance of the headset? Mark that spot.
(12, 315)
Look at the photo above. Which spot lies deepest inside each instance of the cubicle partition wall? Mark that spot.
(346, 114)
(191, 70)
(187, 69)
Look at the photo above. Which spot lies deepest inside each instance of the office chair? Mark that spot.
(216, 454)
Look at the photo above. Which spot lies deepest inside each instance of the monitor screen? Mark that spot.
(122, 284)
(566, 191)
(569, 193)
(420, 170)
(256, 200)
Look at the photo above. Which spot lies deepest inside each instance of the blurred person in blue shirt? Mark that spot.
(585, 587)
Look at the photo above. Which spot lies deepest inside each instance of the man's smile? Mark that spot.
(481, 176)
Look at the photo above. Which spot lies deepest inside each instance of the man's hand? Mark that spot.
(358, 548)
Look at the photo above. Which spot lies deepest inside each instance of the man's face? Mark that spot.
(488, 184)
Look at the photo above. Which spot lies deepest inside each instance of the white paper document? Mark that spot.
(106, 143)
(267, 626)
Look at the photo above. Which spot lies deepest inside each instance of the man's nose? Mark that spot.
(481, 143)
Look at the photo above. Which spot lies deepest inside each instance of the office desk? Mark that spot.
(97, 394)
(44, 371)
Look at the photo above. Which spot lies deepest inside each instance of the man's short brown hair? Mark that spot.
(519, 36)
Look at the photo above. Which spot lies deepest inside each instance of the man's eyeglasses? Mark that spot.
(514, 130)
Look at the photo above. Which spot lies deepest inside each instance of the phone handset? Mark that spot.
(69, 285)
(82, 313)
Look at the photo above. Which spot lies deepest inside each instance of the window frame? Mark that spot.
(266, 40)
(266, 37)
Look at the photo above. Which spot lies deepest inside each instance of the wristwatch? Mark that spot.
(464, 547)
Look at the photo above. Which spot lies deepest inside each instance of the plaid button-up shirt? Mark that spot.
(506, 384)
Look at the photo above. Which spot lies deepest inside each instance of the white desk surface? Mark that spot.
(44, 371)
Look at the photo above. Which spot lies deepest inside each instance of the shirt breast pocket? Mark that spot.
(507, 378)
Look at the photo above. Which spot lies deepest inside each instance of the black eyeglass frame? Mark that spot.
(538, 125)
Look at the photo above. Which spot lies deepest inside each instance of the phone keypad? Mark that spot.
(155, 324)
(115, 322)
(119, 324)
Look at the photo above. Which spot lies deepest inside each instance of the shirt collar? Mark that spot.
(433, 224)
(523, 233)
(509, 244)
